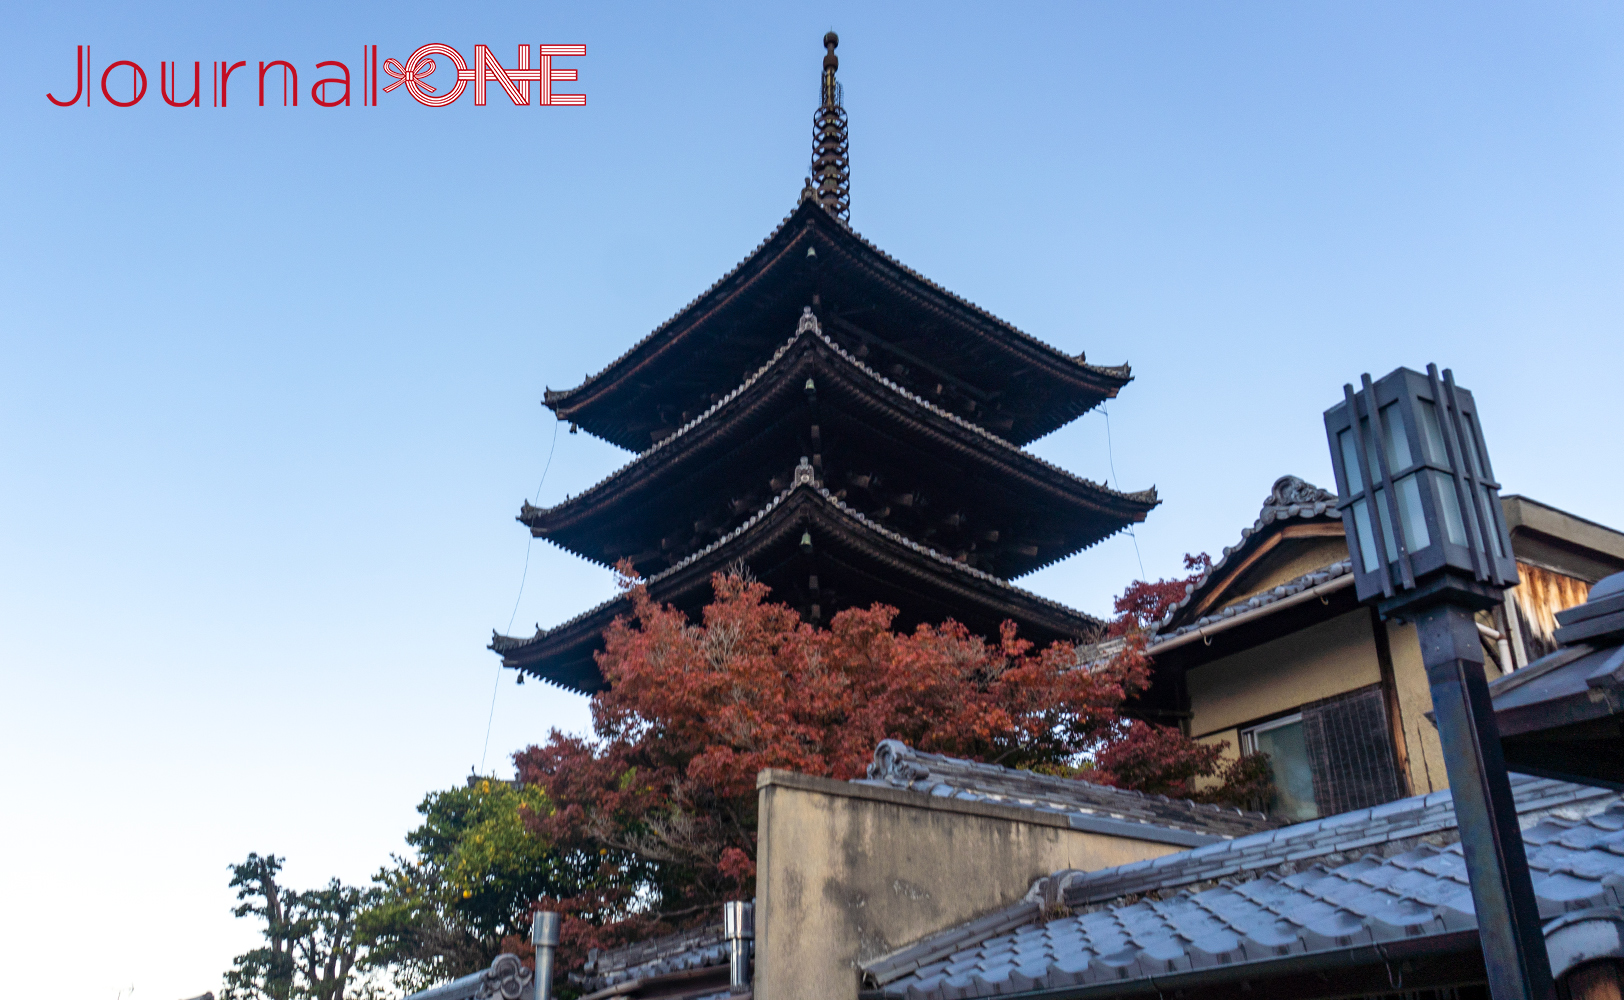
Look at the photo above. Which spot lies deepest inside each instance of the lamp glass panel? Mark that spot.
(1398, 442)
(1487, 507)
(1485, 500)
(1367, 543)
(1389, 539)
(1469, 434)
(1443, 486)
(1411, 513)
(1432, 434)
(1370, 453)
(1350, 462)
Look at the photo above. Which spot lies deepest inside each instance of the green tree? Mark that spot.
(475, 872)
(312, 946)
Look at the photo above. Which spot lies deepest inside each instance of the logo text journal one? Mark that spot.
(124, 83)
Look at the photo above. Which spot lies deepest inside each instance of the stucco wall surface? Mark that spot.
(1316, 662)
(1427, 771)
(849, 872)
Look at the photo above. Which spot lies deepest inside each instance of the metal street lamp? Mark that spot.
(1428, 541)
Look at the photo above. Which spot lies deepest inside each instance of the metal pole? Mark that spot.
(544, 935)
(1508, 921)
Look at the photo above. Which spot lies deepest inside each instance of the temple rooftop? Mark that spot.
(860, 562)
(949, 482)
(917, 332)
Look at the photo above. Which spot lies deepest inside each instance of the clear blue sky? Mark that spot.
(270, 378)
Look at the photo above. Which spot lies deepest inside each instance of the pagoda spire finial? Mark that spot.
(831, 164)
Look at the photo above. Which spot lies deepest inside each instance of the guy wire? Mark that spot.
(489, 719)
(1110, 456)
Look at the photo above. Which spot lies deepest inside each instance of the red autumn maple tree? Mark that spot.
(1162, 760)
(1142, 604)
(658, 810)
(694, 711)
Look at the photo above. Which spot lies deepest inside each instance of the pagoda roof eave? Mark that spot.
(574, 403)
(804, 503)
(692, 436)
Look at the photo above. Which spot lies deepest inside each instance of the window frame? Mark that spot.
(1248, 734)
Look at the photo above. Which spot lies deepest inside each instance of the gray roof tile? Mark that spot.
(696, 948)
(1167, 916)
(1086, 805)
(1577, 862)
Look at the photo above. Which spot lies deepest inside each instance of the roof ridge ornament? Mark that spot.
(506, 979)
(830, 184)
(1288, 490)
(804, 473)
(808, 322)
(893, 763)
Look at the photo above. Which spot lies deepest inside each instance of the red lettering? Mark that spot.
(287, 68)
(138, 84)
(319, 88)
(225, 78)
(197, 85)
(422, 62)
(486, 68)
(549, 76)
(78, 79)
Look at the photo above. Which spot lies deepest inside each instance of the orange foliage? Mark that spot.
(665, 793)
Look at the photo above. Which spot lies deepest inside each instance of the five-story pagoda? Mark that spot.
(843, 427)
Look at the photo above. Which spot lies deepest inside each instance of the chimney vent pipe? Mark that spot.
(739, 928)
(544, 935)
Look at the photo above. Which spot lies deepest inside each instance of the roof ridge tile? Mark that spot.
(1289, 497)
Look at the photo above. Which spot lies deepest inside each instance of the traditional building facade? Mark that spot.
(840, 427)
(1269, 651)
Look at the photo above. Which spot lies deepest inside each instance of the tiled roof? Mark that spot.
(1343, 834)
(1118, 371)
(700, 947)
(803, 480)
(1307, 581)
(1289, 498)
(464, 988)
(1362, 878)
(1560, 715)
(1122, 371)
(948, 561)
(506, 977)
(809, 326)
(1087, 806)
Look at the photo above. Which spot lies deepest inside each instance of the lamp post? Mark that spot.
(1428, 542)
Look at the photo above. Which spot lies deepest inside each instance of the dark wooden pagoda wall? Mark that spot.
(907, 407)
(900, 360)
(885, 466)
